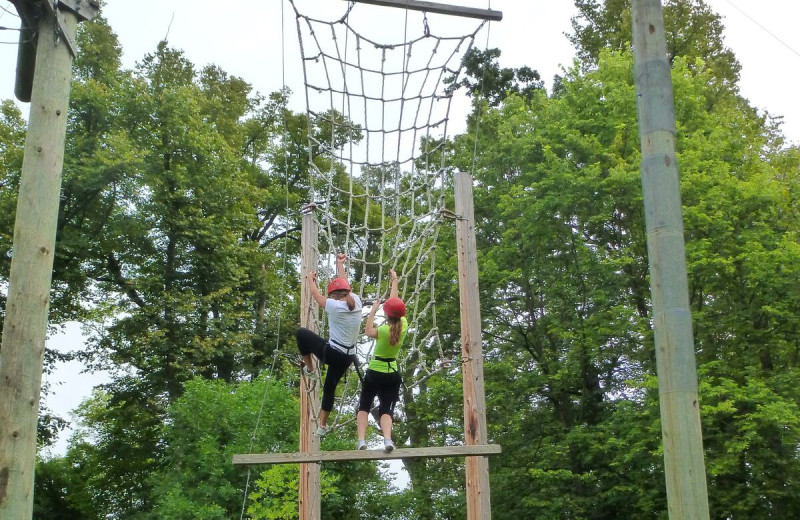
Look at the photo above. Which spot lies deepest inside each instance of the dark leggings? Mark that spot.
(385, 386)
(311, 343)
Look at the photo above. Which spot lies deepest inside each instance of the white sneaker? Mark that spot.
(321, 431)
(362, 445)
(388, 445)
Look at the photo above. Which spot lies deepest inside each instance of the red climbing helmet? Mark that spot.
(394, 308)
(338, 284)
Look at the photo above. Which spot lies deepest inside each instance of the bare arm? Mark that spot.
(394, 280)
(341, 258)
(312, 284)
(369, 327)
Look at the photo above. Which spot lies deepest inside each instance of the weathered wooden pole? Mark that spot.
(25, 326)
(675, 357)
(478, 498)
(310, 492)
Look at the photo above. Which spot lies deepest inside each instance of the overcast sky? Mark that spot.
(247, 41)
(253, 41)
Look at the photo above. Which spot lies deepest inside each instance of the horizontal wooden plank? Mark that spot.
(434, 7)
(400, 453)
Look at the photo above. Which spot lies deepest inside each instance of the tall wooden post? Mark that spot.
(675, 357)
(25, 327)
(310, 492)
(478, 499)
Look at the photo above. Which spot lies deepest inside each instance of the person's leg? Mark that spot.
(386, 428)
(365, 400)
(309, 343)
(388, 396)
(337, 365)
(361, 428)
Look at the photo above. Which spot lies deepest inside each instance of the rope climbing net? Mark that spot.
(378, 107)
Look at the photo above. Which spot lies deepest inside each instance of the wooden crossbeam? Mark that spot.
(433, 7)
(401, 453)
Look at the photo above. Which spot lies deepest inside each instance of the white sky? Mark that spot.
(246, 41)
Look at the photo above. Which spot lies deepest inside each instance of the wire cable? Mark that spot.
(9, 12)
(763, 28)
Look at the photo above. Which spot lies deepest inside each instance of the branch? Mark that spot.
(116, 274)
(283, 234)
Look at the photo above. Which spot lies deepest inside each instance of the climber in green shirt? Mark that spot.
(382, 378)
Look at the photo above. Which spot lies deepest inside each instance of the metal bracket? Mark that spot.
(61, 28)
(83, 9)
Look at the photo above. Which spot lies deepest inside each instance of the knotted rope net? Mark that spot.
(378, 107)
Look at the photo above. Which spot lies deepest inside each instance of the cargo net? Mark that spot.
(378, 115)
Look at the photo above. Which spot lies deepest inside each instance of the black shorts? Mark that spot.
(385, 386)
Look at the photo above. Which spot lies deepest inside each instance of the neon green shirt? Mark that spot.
(384, 350)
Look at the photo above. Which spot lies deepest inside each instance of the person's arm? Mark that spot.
(341, 258)
(394, 281)
(369, 327)
(312, 284)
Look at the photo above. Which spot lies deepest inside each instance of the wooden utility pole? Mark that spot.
(478, 499)
(25, 326)
(675, 357)
(310, 491)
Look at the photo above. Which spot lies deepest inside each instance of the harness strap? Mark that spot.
(388, 362)
(345, 347)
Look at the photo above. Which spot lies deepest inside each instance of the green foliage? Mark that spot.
(174, 234)
(565, 294)
(57, 496)
(483, 78)
(276, 494)
(12, 142)
(211, 422)
(693, 30)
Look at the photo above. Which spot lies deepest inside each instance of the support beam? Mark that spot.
(687, 496)
(334, 456)
(478, 499)
(310, 490)
(437, 8)
(25, 327)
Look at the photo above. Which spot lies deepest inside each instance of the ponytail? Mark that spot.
(395, 330)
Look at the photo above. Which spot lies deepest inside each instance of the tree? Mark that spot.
(564, 291)
(693, 30)
(483, 78)
(12, 144)
(209, 423)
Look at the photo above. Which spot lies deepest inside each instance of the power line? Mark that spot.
(763, 28)
(5, 10)
(9, 12)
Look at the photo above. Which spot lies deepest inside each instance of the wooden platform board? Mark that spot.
(400, 453)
